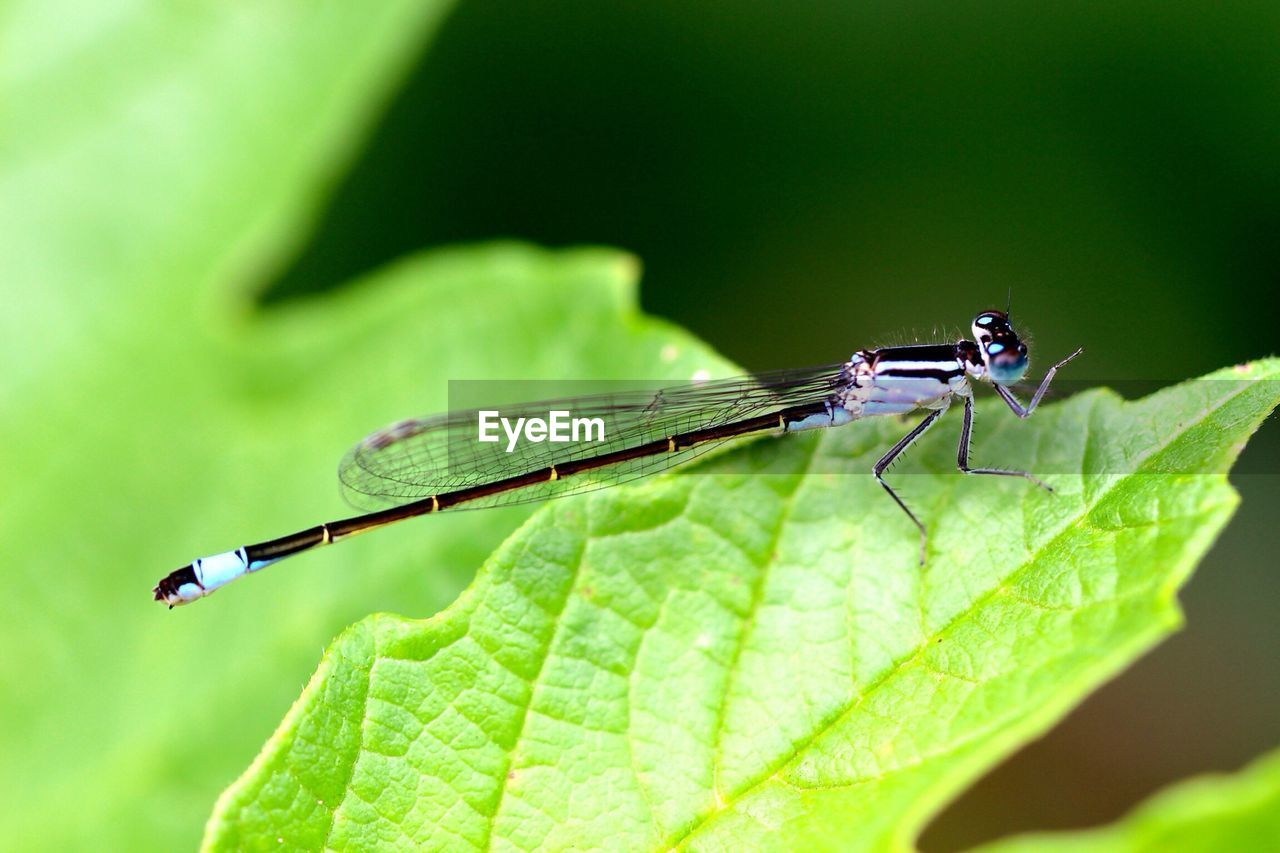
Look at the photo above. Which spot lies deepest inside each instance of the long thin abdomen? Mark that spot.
(205, 575)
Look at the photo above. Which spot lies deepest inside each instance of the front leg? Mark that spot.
(966, 437)
(1017, 408)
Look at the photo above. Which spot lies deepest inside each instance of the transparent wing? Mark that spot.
(418, 458)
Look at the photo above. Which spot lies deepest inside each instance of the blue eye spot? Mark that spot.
(995, 348)
(984, 321)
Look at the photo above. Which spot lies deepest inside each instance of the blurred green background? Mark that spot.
(804, 179)
(799, 180)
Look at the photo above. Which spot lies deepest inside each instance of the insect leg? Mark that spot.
(962, 453)
(887, 460)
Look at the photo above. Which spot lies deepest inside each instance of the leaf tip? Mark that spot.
(628, 267)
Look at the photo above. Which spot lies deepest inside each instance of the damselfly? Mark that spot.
(416, 467)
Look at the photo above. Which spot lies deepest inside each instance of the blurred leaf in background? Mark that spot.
(1238, 812)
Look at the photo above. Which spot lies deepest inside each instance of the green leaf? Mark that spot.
(1237, 812)
(749, 654)
(156, 160)
(151, 148)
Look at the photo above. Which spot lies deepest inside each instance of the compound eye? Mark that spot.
(990, 323)
(987, 325)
